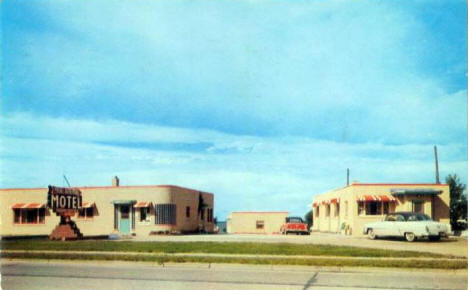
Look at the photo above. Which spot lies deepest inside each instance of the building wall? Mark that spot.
(437, 207)
(102, 222)
(246, 222)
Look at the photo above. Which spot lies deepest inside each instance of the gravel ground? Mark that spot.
(452, 246)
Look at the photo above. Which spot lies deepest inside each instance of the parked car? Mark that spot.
(409, 225)
(294, 225)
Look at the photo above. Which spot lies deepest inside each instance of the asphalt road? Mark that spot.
(120, 275)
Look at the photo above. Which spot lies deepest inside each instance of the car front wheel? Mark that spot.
(371, 234)
(410, 237)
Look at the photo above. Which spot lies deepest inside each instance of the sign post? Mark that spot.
(65, 202)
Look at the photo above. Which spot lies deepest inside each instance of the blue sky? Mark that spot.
(264, 103)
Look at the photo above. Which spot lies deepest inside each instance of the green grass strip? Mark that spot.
(212, 248)
(400, 263)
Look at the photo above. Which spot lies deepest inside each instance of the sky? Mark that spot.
(263, 103)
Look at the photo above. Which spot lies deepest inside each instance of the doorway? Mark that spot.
(124, 219)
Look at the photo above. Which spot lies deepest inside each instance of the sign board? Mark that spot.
(63, 198)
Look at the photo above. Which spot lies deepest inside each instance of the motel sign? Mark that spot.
(62, 198)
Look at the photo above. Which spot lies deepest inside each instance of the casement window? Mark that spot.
(165, 214)
(317, 211)
(337, 209)
(260, 225)
(29, 216)
(144, 214)
(187, 211)
(373, 208)
(418, 206)
(386, 207)
(361, 208)
(86, 213)
(327, 210)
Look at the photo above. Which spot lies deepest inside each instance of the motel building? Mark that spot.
(255, 222)
(124, 210)
(346, 210)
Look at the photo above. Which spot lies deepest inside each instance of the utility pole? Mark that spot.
(347, 176)
(436, 166)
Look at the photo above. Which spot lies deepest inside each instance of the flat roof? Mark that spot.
(398, 184)
(112, 187)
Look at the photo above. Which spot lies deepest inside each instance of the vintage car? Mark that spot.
(409, 225)
(294, 225)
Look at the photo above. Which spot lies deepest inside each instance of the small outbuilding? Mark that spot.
(255, 222)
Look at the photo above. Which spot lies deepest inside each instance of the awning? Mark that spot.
(335, 200)
(28, 205)
(367, 198)
(143, 204)
(87, 204)
(123, 201)
(325, 202)
(315, 204)
(415, 191)
(385, 198)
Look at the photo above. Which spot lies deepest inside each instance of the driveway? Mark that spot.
(453, 246)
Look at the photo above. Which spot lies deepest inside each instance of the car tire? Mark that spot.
(371, 234)
(410, 237)
(435, 238)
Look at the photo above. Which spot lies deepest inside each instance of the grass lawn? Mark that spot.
(455, 264)
(211, 247)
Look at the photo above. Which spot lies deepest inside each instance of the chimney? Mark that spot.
(436, 166)
(347, 176)
(115, 181)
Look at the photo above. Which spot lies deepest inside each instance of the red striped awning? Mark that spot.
(335, 200)
(325, 202)
(87, 204)
(143, 204)
(367, 198)
(28, 205)
(315, 204)
(386, 198)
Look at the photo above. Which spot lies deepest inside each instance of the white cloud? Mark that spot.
(245, 172)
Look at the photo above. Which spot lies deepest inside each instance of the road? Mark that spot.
(453, 246)
(122, 275)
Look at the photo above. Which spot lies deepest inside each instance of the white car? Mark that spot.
(407, 224)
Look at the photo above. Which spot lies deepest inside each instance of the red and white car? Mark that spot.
(294, 225)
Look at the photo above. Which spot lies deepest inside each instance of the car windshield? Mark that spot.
(294, 220)
(419, 217)
(411, 217)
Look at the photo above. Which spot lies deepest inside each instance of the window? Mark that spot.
(373, 208)
(327, 210)
(187, 211)
(386, 206)
(86, 213)
(260, 225)
(390, 218)
(337, 209)
(144, 217)
(361, 207)
(165, 214)
(418, 206)
(29, 216)
(317, 211)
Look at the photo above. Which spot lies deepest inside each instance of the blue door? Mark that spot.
(124, 221)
